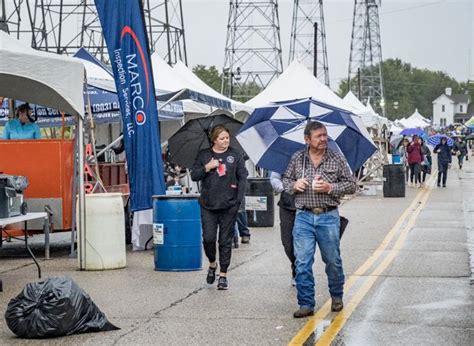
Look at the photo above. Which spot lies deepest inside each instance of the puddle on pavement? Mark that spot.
(314, 337)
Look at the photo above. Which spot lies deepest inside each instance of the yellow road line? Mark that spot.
(314, 321)
(343, 316)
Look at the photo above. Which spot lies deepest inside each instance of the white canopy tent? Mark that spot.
(297, 82)
(168, 80)
(419, 120)
(195, 83)
(395, 129)
(51, 80)
(369, 117)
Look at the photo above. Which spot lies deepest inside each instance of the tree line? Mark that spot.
(406, 87)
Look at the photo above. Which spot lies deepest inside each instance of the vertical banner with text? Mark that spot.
(124, 31)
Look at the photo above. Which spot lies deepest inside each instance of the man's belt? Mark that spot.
(318, 211)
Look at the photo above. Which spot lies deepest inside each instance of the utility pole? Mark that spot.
(308, 37)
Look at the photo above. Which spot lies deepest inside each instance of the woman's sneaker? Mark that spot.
(222, 283)
(211, 275)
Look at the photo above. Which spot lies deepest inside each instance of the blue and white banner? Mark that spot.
(105, 110)
(124, 32)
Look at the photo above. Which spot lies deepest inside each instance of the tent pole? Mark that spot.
(92, 135)
(74, 194)
(82, 198)
(172, 99)
(108, 146)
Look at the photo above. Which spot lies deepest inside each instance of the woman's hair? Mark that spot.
(25, 107)
(216, 131)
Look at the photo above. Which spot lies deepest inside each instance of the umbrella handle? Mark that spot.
(304, 161)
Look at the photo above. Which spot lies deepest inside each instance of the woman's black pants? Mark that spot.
(222, 221)
(415, 171)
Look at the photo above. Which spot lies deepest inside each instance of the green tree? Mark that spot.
(241, 91)
(407, 88)
(209, 75)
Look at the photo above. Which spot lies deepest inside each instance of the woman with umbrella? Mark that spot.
(444, 159)
(415, 158)
(223, 176)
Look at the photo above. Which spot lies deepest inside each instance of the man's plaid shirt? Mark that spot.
(333, 168)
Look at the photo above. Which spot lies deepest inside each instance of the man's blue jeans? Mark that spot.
(311, 229)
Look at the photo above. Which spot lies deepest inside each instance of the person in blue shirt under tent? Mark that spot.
(23, 126)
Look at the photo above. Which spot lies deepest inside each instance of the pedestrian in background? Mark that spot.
(242, 224)
(318, 177)
(415, 158)
(404, 157)
(444, 160)
(460, 150)
(427, 161)
(287, 211)
(223, 176)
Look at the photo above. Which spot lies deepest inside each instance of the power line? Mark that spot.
(393, 11)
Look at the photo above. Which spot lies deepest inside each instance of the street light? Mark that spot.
(382, 103)
(234, 75)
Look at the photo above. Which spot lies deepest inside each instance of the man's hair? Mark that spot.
(313, 126)
(216, 131)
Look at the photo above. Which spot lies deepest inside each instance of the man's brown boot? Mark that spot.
(303, 312)
(337, 304)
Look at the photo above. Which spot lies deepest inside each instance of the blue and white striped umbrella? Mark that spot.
(275, 132)
(436, 139)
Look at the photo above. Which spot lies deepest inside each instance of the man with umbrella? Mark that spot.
(318, 177)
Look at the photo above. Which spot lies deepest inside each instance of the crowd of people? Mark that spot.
(416, 157)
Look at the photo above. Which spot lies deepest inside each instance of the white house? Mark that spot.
(449, 109)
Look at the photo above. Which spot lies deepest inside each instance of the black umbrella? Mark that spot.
(186, 143)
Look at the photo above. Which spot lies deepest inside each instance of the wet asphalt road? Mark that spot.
(407, 260)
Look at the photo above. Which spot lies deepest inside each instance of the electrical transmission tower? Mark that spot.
(63, 26)
(3, 17)
(365, 62)
(253, 48)
(308, 36)
(10, 16)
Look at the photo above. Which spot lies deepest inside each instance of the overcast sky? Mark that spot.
(437, 35)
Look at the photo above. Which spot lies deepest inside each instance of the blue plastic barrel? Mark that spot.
(177, 235)
(396, 159)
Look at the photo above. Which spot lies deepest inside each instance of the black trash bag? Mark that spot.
(54, 307)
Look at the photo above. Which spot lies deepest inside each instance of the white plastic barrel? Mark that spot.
(105, 233)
